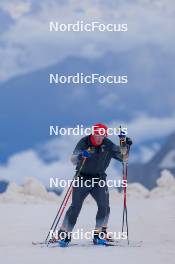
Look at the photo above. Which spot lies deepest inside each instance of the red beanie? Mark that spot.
(99, 129)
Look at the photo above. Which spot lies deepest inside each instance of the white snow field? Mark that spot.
(151, 217)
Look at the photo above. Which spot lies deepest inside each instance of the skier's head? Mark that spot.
(99, 132)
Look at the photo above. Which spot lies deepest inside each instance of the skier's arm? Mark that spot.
(77, 153)
(118, 154)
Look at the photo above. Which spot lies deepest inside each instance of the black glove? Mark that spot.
(128, 141)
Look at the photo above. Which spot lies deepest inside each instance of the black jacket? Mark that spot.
(100, 157)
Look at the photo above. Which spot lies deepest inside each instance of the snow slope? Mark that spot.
(32, 191)
(150, 215)
(149, 220)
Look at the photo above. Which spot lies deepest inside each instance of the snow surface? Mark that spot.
(150, 215)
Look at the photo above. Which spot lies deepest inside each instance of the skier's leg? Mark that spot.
(105, 224)
(78, 196)
(100, 194)
(107, 209)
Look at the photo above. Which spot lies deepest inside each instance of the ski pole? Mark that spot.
(68, 196)
(125, 213)
(124, 151)
(57, 214)
(65, 200)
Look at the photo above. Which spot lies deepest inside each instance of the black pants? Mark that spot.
(101, 196)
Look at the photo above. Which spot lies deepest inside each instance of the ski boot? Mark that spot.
(64, 238)
(99, 238)
(107, 236)
(55, 239)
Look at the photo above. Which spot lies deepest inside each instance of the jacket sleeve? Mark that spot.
(81, 145)
(116, 152)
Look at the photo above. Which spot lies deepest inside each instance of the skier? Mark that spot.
(98, 151)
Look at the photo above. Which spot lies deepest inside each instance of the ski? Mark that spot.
(43, 243)
(56, 244)
(130, 243)
(121, 243)
(117, 243)
(39, 243)
(50, 245)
